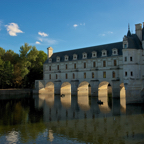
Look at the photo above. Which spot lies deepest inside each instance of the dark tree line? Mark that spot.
(21, 70)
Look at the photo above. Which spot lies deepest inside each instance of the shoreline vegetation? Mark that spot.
(19, 71)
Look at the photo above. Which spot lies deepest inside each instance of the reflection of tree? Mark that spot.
(20, 115)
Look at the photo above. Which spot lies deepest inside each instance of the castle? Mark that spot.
(120, 65)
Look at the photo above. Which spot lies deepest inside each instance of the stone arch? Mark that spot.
(49, 87)
(84, 88)
(104, 94)
(66, 88)
(122, 98)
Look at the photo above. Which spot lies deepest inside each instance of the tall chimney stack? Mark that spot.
(50, 52)
(138, 30)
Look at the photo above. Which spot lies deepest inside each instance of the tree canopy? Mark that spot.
(21, 70)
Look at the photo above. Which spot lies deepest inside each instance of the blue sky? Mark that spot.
(66, 24)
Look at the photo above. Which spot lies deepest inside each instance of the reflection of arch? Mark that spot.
(83, 103)
(122, 98)
(103, 96)
(66, 101)
(84, 88)
(50, 100)
(49, 87)
(66, 88)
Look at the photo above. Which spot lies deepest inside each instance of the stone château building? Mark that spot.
(119, 64)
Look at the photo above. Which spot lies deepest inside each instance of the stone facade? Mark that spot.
(117, 64)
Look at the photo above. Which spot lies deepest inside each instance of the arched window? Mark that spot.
(73, 76)
(56, 76)
(66, 76)
(84, 64)
(94, 64)
(113, 74)
(84, 75)
(115, 62)
(49, 76)
(92, 74)
(66, 66)
(125, 73)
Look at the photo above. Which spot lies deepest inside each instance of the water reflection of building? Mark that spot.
(86, 122)
(58, 108)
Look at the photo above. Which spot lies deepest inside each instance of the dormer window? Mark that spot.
(74, 56)
(84, 55)
(66, 58)
(50, 60)
(58, 59)
(104, 53)
(114, 51)
(94, 54)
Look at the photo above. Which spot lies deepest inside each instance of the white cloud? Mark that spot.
(75, 25)
(84, 24)
(47, 41)
(106, 33)
(42, 34)
(37, 42)
(13, 29)
(110, 32)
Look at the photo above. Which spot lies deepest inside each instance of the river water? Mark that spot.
(53, 119)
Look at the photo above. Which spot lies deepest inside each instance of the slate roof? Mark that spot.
(133, 42)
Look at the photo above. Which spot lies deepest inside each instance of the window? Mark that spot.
(58, 59)
(94, 64)
(94, 54)
(131, 73)
(131, 59)
(66, 58)
(125, 73)
(125, 45)
(50, 60)
(92, 75)
(49, 68)
(104, 53)
(75, 57)
(104, 63)
(125, 58)
(66, 76)
(84, 55)
(104, 74)
(73, 76)
(84, 75)
(115, 62)
(114, 51)
(56, 76)
(50, 76)
(113, 74)
(84, 65)
(57, 67)
(66, 66)
(75, 66)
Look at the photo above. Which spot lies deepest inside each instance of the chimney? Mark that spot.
(138, 30)
(50, 52)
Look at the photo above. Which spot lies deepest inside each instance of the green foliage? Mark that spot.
(21, 70)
